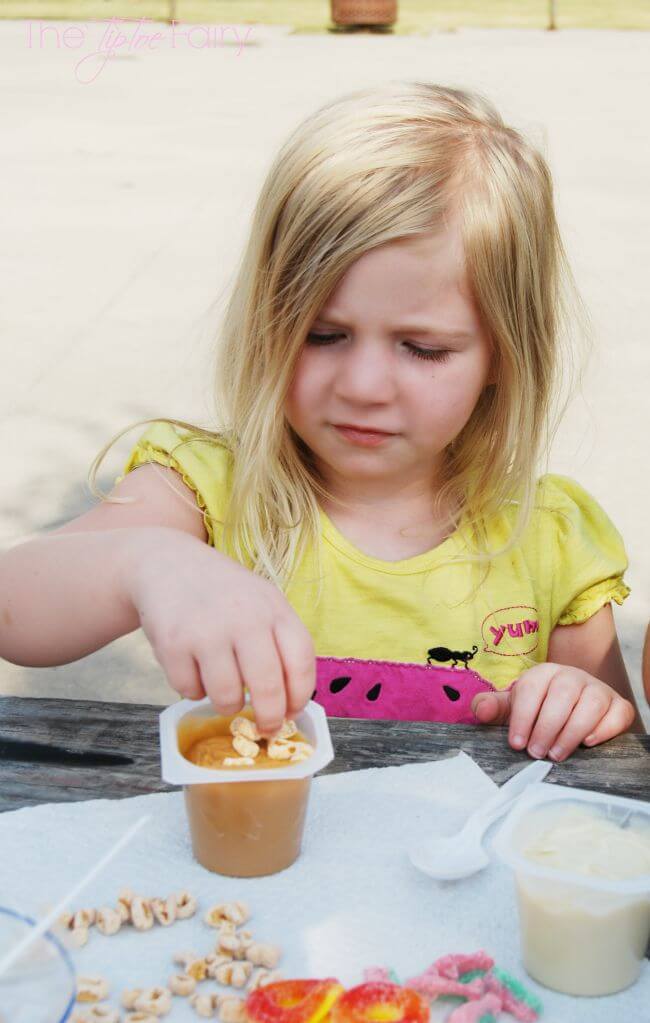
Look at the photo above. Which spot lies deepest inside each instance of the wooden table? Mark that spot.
(83, 728)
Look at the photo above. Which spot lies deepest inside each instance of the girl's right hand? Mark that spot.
(215, 627)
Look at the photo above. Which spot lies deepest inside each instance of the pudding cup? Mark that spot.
(244, 822)
(580, 934)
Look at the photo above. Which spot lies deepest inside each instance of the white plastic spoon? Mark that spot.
(462, 854)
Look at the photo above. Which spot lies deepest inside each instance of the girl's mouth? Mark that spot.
(364, 438)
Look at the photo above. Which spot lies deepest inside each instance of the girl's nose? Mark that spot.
(366, 373)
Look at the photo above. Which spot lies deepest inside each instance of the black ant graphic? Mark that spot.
(441, 653)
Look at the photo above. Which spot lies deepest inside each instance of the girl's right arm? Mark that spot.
(213, 625)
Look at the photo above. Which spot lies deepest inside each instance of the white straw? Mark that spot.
(53, 915)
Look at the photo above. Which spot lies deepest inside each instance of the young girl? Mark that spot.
(387, 363)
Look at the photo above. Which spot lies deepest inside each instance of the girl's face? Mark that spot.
(398, 347)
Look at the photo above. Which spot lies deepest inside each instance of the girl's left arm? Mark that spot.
(593, 647)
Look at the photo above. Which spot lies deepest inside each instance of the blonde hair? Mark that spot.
(371, 167)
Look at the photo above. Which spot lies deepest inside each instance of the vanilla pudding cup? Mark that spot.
(581, 862)
(244, 821)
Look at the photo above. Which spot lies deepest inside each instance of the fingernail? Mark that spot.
(536, 751)
(556, 753)
(518, 741)
(590, 740)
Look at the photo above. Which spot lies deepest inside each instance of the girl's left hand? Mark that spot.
(552, 709)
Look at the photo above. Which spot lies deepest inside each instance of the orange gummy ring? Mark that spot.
(379, 1002)
(293, 1001)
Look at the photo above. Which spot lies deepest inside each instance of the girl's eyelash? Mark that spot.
(435, 354)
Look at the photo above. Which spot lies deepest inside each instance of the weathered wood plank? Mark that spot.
(621, 766)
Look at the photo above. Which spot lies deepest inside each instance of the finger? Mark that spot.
(591, 708)
(222, 680)
(492, 708)
(261, 671)
(528, 694)
(618, 719)
(183, 674)
(298, 657)
(562, 696)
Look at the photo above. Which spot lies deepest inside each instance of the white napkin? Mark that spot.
(351, 900)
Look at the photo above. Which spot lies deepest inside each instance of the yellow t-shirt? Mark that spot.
(424, 610)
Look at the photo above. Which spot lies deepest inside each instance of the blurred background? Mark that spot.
(132, 154)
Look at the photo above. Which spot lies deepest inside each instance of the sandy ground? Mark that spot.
(127, 188)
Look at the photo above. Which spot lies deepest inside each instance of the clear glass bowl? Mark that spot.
(41, 986)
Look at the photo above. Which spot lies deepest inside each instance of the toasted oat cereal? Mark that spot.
(237, 912)
(92, 988)
(164, 910)
(185, 905)
(130, 997)
(205, 1005)
(264, 955)
(182, 984)
(157, 1001)
(108, 921)
(141, 913)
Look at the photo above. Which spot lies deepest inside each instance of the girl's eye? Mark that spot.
(322, 339)
(437, 354)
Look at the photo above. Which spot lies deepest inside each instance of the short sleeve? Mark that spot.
(582, 548)
(204, 463)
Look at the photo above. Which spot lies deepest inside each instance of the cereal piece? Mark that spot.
(228, 945)
(231, 1010)
(102, 1014)
(108, 921)
(91, 988)
(182, 984)
(262, 977)
(130, 997)
(205, 1005)
(227, 927)
(280, 749)
(77, 937)
(185, 905)
(264, 955)
(237, 912)
(124, 899)
(164, 910)
(245, 747)
(238, 761)
(302, 752)
(157, 1001)
(233, 974)
(141, 1017)
(234, 945)
(245, 727)
(141, 913)
(65, 921)
(286, 730)
(198, 969)
(287, 749)
(214, 961)
(83, 918)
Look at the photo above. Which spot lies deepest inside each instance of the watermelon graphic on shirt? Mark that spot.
(349, 687)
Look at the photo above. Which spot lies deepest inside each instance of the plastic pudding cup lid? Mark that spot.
(177, 770)
(540, 797)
